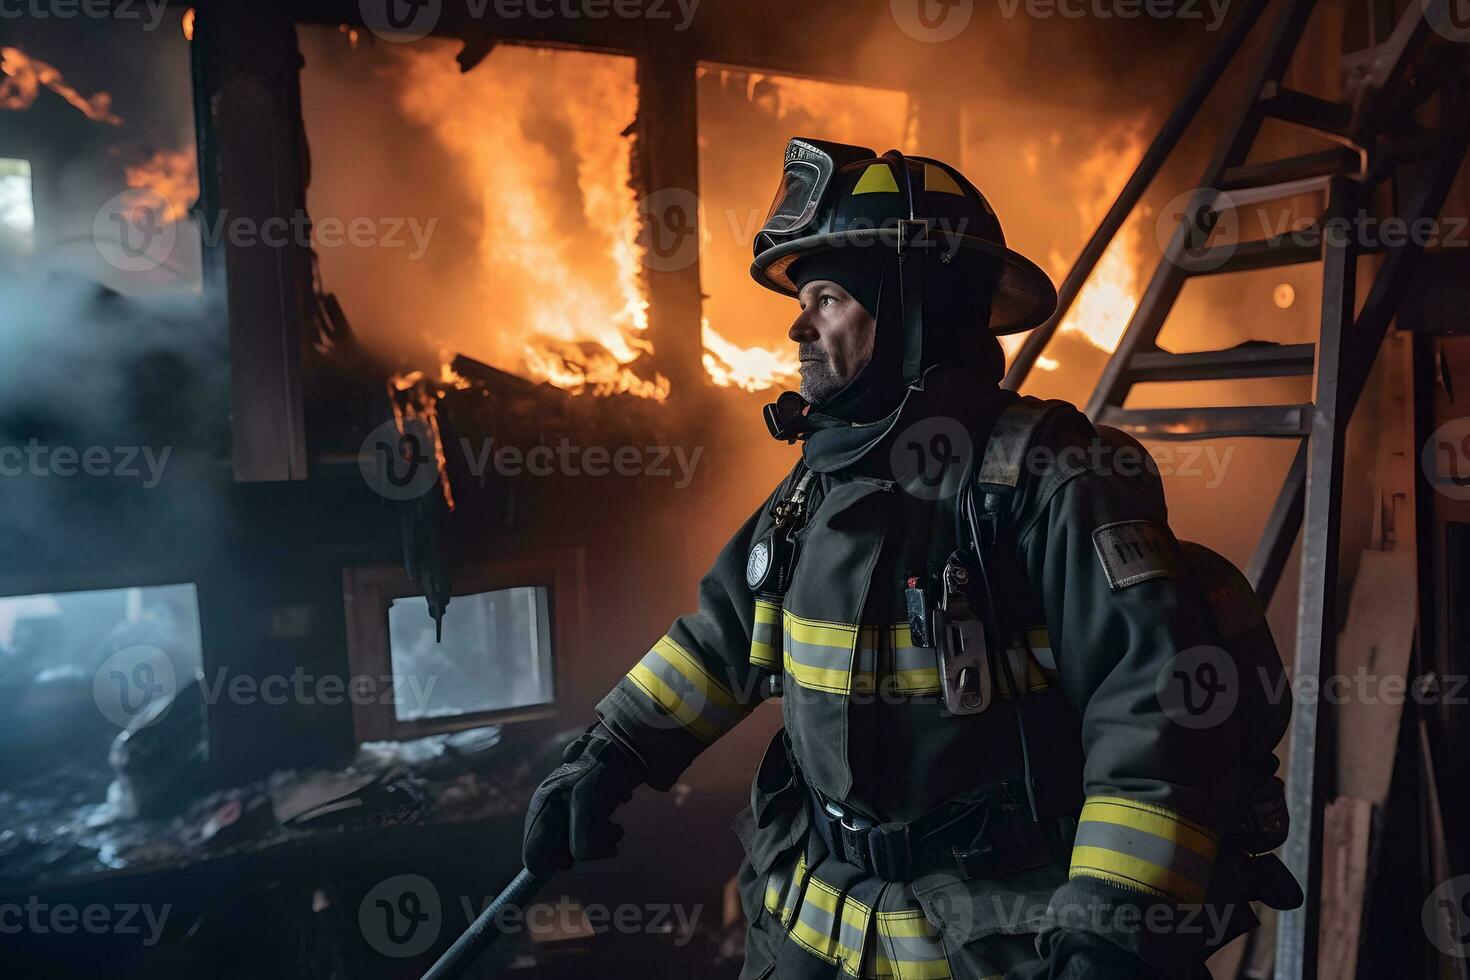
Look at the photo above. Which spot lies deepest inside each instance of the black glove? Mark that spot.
(570, 816)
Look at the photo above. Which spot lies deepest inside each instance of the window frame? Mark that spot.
(368, 591)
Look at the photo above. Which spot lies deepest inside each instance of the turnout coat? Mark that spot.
(1132, 799)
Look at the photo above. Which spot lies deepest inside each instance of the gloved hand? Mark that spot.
(569, 819)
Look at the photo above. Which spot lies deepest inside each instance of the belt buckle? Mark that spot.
(852, 831)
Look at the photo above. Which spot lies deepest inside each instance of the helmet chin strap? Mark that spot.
(913, 240)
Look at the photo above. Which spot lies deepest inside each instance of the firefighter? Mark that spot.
(972, 620)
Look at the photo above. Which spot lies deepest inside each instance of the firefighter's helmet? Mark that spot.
(834, 195)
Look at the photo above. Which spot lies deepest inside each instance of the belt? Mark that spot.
(987, 835)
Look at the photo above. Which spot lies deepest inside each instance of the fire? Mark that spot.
(172, 175)
(552, 313)
(414, 396)
(748, 368)
(24, 78)
(740, 111)
(1108, 298)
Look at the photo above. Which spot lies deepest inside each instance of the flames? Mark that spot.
(745, 119)
(1108, 298)
(542, 136)
(170, 174)
(527, 160)
(1105, 304)
(415, 396)
(24, 77)
(748, 368)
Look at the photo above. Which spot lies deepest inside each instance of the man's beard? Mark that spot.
(818, 381)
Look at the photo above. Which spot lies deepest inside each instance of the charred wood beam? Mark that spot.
(667, 166)
(252, 168)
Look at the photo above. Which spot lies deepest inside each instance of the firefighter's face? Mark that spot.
(834, 335)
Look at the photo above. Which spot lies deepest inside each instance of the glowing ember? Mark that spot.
(24, 78)
(171, 174)
(750, 368)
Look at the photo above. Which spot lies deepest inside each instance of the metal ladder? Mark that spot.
(1385, 84)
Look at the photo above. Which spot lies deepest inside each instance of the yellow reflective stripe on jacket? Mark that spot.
(909, 948)
(832, 926)
(1143, 846)
(819, 655)
(843, 658)
(783, 889)
(765, 635)
(679, 684)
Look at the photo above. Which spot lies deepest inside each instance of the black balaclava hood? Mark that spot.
(877, 388)
(956, 309)
(955, 315)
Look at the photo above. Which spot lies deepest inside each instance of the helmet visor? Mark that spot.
(804, 180)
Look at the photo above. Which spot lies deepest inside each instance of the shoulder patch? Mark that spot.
(1135, 551)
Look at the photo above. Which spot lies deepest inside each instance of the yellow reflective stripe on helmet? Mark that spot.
(832, 926)
(877, 179)
(765, 635)
(783, 889)
(939, 180)
(681, 686)
(909, 947)
(819, 655)
(1143, 846)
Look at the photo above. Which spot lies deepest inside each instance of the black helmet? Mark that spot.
(834, 195)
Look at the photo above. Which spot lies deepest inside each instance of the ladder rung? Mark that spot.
(1275, 192)
(1265, 253)
(1309, 112)
(1288, 169)
(1272, 421)
(1253, 360)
